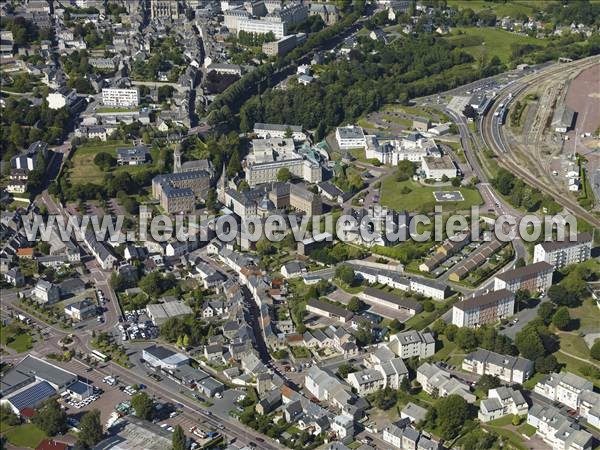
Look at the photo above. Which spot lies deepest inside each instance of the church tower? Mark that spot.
(177, 159)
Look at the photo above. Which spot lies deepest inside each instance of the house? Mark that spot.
(343, 427)
(82, 310)
(210, 386)
(412, 343)
(269, 402)
(46, 292)
(501, 402)
(14, 277)
(564, 387)
(413, 412)
(213, 352)
(162, 357)
(293, 269)
(511, 369)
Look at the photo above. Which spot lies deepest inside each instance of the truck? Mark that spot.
(24, 319)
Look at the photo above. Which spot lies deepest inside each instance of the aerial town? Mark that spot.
(271, 224)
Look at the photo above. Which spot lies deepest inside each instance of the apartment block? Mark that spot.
(536, 277)
(511, 369)
(501, 402)
(412, 343)
(561, 254)
(434, 379)
(488, 308)
(557, 430)
(564, 387)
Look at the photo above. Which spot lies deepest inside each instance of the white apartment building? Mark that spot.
(488, 308)
(501, 402)
(366, 381)
(350, 136)
(511, 369)
(412, 343)
(558, 430)
(432, 378)
(274, 130)
(561, 254)
(536, 277)
(118, 97)
(564, 387)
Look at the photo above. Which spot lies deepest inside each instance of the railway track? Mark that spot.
(494, 136)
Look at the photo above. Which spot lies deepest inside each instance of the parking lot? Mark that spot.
(137, 325)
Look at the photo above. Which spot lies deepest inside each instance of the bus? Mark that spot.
(99, 356)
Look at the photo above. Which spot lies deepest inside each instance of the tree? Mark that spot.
(545, 312)
(143, 405)
(439, 327)
(469, 112)
(520, 262)
(406, 169)
(546, 364)
(448, 415)
(455, 181)
(105, 160)
(90, 429)
(284, 175)
(265, 247)
(522, 296)
(529, 343)
(487, 382)
(466, 338)
(211, 201)
(179, 439)
(428, 306)
(234, 166)
(345, 273)
(345, 369)
(51, 418)
(355, 304)
(451, 331)
(595, 350)
(561, 296)
(561, 318)
(479, 439)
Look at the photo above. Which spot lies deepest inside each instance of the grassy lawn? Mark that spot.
(300, 352)
(502, 421)
(587, 314)
(84, 170)
(575, 366)
(24, 436)
(445, 350)
(529, 384)
(18, 342)
(420, 198)
(527, 430)
(490, 41)
(574, 345)
(502, 9)
(513, 438)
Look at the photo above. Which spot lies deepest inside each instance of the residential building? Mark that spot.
(536, 277)
(484, 309)
(14, 277)
(561, 254)
(511, 369)
(501, 402)
(124, 98)
(436, 380)
(366, 381)
(412, 343)
(46, 292)
(557, 430)
(132, 156)
(82, 310)
(564, 387)
(414, 413)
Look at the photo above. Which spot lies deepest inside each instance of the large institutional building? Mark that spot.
(269, 156)
(178, 191)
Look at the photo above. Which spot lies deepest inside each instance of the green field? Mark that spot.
(84, 170)
(502, 9)
(19, 342)
(490, 41)
(24, 436)
(421, 199)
